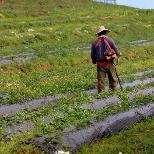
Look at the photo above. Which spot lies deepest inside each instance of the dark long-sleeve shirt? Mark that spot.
(94, 48)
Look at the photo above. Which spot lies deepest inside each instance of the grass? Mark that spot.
(43, 77)
(58, 36)
(66, 27)
(138, 139)
(68, 112)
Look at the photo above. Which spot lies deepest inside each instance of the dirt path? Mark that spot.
(126, 84)
(113, 100)
(15, 108)
(9, 60)
(139, 74)
(141, 42)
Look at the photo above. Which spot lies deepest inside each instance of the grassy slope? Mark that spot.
(67, 26)
(61, 27)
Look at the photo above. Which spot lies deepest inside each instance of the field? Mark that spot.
(138, 139)
(47, 81)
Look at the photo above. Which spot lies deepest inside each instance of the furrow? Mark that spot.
(109, 126)
(15, 108)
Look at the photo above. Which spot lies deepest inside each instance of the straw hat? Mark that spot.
(101, 29)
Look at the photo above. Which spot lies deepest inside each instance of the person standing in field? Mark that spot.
(103, 53)
(1, 1)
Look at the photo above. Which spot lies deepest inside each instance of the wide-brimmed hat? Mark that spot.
(101, 29)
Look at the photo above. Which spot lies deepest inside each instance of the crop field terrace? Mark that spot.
(48, 83)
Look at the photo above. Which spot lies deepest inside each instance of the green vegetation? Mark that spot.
(58, 35)
(138, 139)
(53, 45)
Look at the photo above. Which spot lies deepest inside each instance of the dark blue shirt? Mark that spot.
(94, 48)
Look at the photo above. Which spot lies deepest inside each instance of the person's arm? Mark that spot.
(93, 53)
(113, 46)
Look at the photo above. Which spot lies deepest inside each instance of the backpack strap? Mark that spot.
(107, 43)
(97, 42)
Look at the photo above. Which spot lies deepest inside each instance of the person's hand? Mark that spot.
(114, 56)
(120, 54)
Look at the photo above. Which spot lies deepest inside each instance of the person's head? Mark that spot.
(102, 31)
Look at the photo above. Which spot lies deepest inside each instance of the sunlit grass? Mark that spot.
(56, 34)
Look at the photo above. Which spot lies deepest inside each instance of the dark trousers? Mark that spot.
(101, 74)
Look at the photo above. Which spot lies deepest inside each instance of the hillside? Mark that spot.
(47, 81)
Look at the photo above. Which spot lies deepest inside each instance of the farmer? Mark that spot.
(103, 52)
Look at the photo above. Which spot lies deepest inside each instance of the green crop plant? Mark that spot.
(56, 37)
